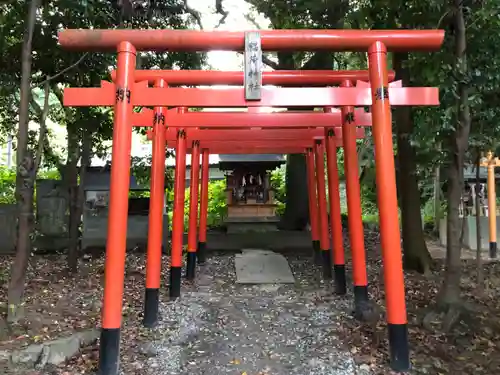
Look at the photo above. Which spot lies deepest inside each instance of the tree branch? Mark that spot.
(58, 93)
(320, 60)
(266, 60)
(62, 71)
(43, 127)
(40, 113)
(252, 20)
(220, 10)
(446, 16)
(194, 13)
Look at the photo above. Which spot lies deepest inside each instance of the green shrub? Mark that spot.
(7, 185)
(279, 186)
(8, 182)
(216, 203)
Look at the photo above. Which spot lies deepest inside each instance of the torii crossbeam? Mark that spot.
(236, 78)
(246, 120)
(272, 40)
(139, 94)
(244, 137)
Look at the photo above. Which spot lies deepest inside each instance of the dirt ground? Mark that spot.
(221, 328)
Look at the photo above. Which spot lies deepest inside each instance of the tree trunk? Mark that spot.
(4, 329)
(80, 198)
(450, 290)
(24, 179)
(23, 244)
(72, 181)
(296, 214)
(415, 254)
(477, 203)
(437, 199)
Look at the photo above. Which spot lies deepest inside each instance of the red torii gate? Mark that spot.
(256, 141)
(254, 145)
(147, 117)
(251, 147)
(128, 94)
(321, 257)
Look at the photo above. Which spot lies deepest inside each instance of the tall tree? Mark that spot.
(450, 291)
(416, 256)
(54, 69)
(94, 124)
(25, 177)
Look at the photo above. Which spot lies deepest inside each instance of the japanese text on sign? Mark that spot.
(253, 66)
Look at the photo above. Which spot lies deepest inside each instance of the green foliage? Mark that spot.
(141, 170)
(216, 203)
(70, 68)
(434, 126)
(278, 184)
(8, 182)
(7, 185)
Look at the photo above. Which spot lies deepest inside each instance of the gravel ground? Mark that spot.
(219, 327)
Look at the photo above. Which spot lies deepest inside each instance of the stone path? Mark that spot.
(254, 266)
(219, 327)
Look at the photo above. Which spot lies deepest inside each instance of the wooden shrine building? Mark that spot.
(249, 195)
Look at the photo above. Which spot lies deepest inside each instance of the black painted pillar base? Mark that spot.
(493, 249)
(151, 301)
(326, 257)
(317, 253)
(361, 301)
(202, 252)
(175, 282)
(109, 351)
(340, 280)
(399, 350)
(191, 265)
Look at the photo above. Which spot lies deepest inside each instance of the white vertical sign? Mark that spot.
(253, 66)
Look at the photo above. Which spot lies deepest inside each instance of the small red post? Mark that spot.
(388, 209)
(313, 205)
(155, 223)
(335, 214)
(178, 214)
(355, 219)
(118, 213)
(202, 239)
(193, 211)
(324, 237)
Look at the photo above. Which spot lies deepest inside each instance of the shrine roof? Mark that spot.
(258, 161)
(225, 158)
